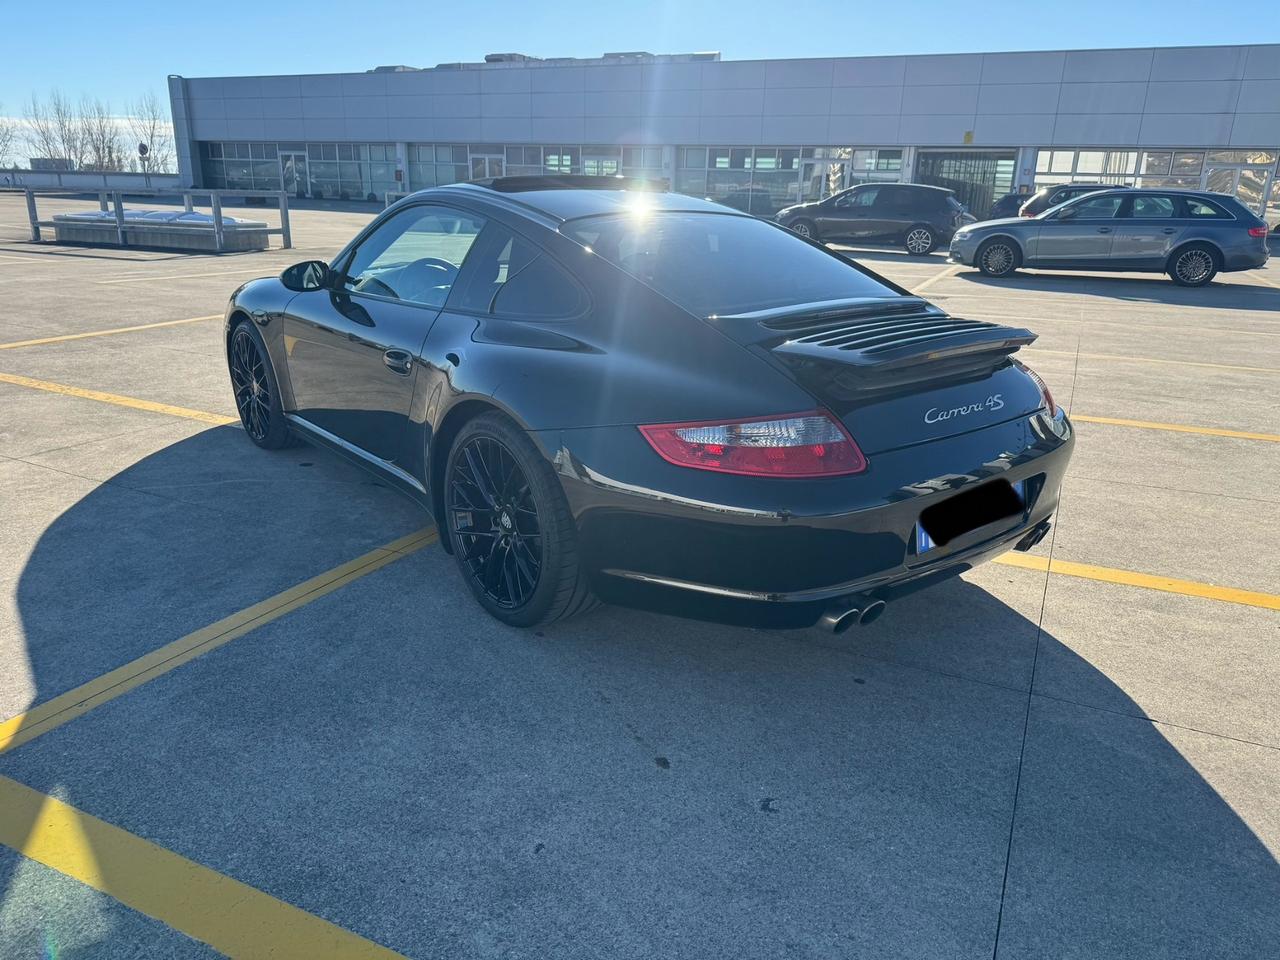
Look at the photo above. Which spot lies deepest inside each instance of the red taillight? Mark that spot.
(1257, 231)
(800, 445)
(1025, 213)
(1044, 388)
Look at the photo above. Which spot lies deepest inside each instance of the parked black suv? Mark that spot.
(1007, 206)
(916, 216)
(1051, 196)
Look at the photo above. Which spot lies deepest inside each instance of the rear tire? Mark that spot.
(1194, 265)
(254, 384)
(998, 257)
(920, 240)
(507, 519)
(806, 228)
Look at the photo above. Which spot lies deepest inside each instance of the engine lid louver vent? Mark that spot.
(888, 342)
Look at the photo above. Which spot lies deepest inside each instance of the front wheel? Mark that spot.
(1194, 266)
(254, 384)
(920, 240)
(997, 258)
(509, 524)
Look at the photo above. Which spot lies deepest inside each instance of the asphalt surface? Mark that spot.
(1020, 763)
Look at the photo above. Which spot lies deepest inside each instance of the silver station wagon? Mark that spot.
(1190, 236)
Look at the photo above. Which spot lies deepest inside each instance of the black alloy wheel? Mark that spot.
(494, 521)
(510, 527)
(253, 382)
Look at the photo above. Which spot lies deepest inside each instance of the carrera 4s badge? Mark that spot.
(934, 415)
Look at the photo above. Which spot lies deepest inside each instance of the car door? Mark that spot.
(352, 349)
(849, 214)
(1149, 227)
(1079, 234)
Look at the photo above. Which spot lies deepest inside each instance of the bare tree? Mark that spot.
(54, 129)
(149, 123)
(8, 138)
(101, 134)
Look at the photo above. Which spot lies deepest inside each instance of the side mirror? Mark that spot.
(305, 276)
(1067, 214)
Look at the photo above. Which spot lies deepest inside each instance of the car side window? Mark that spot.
(860, 199)
(542, 290)
(415, 256)
(1152, 208)
(1098, 208)
(509, 275)
(1204, 209)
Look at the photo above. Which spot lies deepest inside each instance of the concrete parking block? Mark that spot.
(1134, 841)
(1184, 660)
(389, 759)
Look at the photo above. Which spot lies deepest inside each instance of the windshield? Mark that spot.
(713, 264)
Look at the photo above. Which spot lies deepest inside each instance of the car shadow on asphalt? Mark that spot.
(1221, 294)
(694, 790)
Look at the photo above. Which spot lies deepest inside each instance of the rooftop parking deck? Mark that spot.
(248, 707)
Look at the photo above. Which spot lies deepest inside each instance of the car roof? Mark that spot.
(569, 197)
(895, 183)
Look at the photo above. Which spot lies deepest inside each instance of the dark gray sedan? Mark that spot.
(1190, 236)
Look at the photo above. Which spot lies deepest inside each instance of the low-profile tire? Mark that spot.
(920, 240)
(998, 257)
(513, 537)
(1194, 265)
(806, 228)
(253, 382)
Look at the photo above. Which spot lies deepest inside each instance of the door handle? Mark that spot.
(398, 361)
(1104, 229)
(1170, 230)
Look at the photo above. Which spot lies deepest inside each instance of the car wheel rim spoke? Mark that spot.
(918, 241)
(997, 258)
(1194, 266)
(495, 522)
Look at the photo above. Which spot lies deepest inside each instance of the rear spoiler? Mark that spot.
(887, 342)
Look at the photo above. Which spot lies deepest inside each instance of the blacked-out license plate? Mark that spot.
(943, 522)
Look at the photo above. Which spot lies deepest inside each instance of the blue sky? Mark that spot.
(119, 50)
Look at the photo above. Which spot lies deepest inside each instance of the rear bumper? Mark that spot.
(667, 530)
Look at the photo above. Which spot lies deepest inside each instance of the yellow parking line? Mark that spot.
(1181, 363)
(216, 419)
(52, 714)
(104, 333)
(184, 276)
(949, 272)
(1188, 588)
(232, 917)
(1177, 428)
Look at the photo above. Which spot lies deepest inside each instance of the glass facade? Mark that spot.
(1248, 175)
(339, 171)
(763, 180)
(759, 180)
(978, 177)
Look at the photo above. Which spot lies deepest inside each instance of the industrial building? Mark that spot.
(983, 124)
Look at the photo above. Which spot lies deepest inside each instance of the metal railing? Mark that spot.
(113, 200)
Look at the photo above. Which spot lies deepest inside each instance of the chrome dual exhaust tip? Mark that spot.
(849, 612)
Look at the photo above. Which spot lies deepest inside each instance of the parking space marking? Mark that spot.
(65, 707)
(105, 333)
(216, 419)
(1188, 588)
(232, 917)
(1177, 428)
(949, 272)
(1184, 363)
(187, 276)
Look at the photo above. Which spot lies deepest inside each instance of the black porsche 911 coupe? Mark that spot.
(602, 391)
